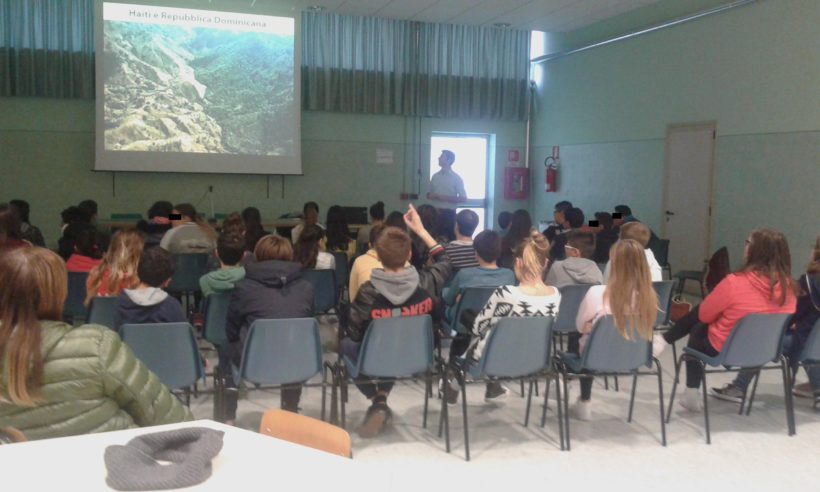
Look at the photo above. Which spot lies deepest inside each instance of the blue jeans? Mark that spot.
(792, 346)
(369, 387)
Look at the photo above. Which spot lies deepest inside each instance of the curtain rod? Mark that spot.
(640, 32)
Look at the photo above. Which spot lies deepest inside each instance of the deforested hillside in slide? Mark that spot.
(197, 90)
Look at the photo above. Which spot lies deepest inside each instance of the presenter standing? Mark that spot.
(446, 187)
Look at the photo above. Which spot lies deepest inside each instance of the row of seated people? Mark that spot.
(272, 288)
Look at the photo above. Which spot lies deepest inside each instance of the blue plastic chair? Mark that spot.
(342, 269)
(756, 340)
(188, 269)
(325, 294)
(517, 348)
(474, 298)
(74, 307)
(608, 353)
(279, 352)
(393, 349)
(169, 350)
(102, 311)
(664, 290)
(571, 297)
(810, 356)
(216, 315)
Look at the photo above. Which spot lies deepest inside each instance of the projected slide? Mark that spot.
(195, 81)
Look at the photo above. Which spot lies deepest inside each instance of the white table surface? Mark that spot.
(248, 461)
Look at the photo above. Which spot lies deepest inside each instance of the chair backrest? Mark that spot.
(811, 350)
(571, 297)
(397, 347)
(189, 268)
(280, 351)
(342, 269)
(169, 350)
(306, 431)
(660, 249)
(663, 289)
(74, 306)
(716, 268)
(601, 267)
(216, 315)
(607, 351)
(102, 311)
(474, 298)
(325, 293)
(518, 347)
(755, 340)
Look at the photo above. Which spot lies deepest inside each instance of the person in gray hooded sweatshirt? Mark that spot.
(577, 268)
(148, 303)
(392, 291)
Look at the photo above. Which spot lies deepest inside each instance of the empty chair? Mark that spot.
(571, 297)
(342, 269)
(713, 272)
(518, 348)
(325, 293)
(664, 290)
(74, 308)
(810, 356)
(661, 252)
(755, 341)
(101, 311)
(188, 269)
(216, 314)
(608, 353)
(169, 350)
(306, 431)
(474, 298)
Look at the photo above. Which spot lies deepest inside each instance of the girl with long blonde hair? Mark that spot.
(118, 269)
(628, 297)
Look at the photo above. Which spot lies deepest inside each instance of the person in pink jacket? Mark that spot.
(763, 285)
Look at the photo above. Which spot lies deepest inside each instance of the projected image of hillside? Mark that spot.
(177, 88)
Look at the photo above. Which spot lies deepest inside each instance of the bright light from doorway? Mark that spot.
(471, 160)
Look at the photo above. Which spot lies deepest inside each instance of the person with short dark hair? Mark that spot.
(230, 249)
(74, 219)
(445, 227)
(30, 233)
(461, 251)
(395, 219)
(558, 223)
(446, 187)
(90, 208)
(573, 220)
(310, 215)
(395, 290)
(605, 237)
(376, 213)
(252, 220)
(577, 268)
(147, 302)
(504, 219)
(11, 237)
(157, 224)
(87, 251)
(339, 239)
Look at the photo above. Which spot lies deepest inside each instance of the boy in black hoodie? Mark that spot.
(148, 303)
(395, 290)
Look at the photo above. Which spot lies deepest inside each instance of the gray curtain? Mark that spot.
(47, 48)
(379, 66)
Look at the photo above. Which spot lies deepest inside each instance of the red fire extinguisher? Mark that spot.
(551, 171)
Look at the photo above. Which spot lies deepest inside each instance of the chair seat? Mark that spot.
(350, 366)
(708, 359)
(689, 274)
(572, 361)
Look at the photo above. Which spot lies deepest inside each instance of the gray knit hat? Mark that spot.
(190, 451)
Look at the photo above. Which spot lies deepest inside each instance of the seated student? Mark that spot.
(627, 217)
(147, 302)
(376, 219)
(87, 254)
(157, 224)
(395, 290)
(559, 222)
(605, 237)
(310, 216)
(118, 268)
(520, 230)
(364, 265)
(531, 297)
(73, 220)
(308, 250)
(573, 220)
(339, 237)
(577, 268)
(445, 226)
(461, 251)
(89, 210)
(628, 297)
(487, 249)
(252, 220)
(59, 380)
(805, 316)
(11, 237)
(230, 249)
(428, 215)
(395, 219)
(30, 233)
(273, 288)
(763, 285)
(639, 232)
(189, 233)
(504, 219)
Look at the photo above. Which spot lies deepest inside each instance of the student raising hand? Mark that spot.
(413, 221)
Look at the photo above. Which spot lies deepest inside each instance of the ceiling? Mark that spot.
(536, 15)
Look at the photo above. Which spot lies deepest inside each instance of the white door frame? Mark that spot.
(712, 125)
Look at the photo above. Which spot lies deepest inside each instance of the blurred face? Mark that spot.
(558, 216)
(311, 216)
(183, 219)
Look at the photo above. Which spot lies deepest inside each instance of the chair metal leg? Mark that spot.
(529, 402)
(427, 393)
(660, 400)
(606, 383)
(566, 408)
(444, 421)
(463, 384)
(616, 382)
(705, 401)
(522, 388)
(674, 355)
(752, 396)
(334, 396)
(561, 415)
(674, 387)
(324, 396)
(632, 396)
(787, 391)
(546, 403)
(342, 394)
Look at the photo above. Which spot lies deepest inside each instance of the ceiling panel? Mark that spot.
(360, 7)
(533, 10)
(446, 10)
(405, 9)
(487, 11)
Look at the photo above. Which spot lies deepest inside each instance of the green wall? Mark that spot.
(47, 156)
(754, 70)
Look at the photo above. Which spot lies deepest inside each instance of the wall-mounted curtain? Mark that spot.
(47, 48)
(380, 66)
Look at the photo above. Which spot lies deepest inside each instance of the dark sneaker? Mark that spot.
(449, 390)
(378, 415)
(728, 392)
(495, 392)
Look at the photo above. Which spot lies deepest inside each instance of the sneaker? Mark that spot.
(581, 410)
(495, 392)
(378, 415)
(449, 390)
(658, 345)
(803, 390)
(691, 400)
(728, 392)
